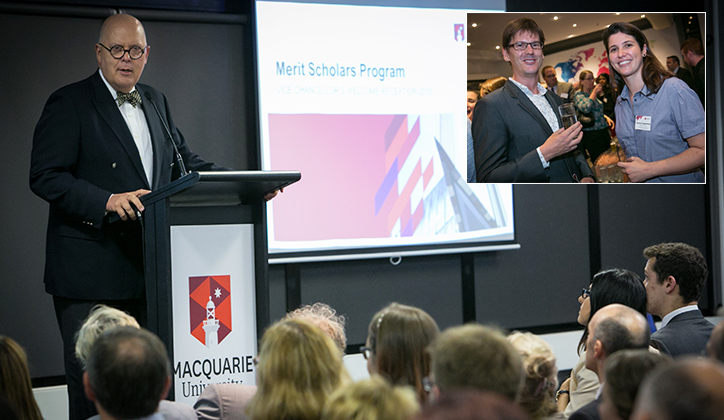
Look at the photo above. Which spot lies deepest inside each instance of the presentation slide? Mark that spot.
(367, 103)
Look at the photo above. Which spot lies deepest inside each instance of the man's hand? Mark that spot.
(587, 180)
(273, 194)
(562, 141)
(636, 169)
(121, 204)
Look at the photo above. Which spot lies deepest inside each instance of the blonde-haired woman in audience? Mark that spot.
(541, 376)
(100, 319)
(371, 399)
(397, 337)
(298, 368)
(15, 380)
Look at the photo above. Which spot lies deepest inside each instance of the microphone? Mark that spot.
(180, 161)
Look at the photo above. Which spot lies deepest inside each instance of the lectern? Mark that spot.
(205, 259)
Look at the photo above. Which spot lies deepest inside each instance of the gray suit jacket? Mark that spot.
(686, 333)
(565, 91)
(507, 129)
(224, 401)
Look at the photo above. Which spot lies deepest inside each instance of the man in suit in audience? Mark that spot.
(128, 375)
(478, 357)
(517, 132)
(693, 52)
(674, 276)
(563, 89)
(715, 346)
(612, 328)
(672, 63)
(686, 389)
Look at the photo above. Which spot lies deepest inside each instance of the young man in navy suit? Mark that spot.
(675, 275)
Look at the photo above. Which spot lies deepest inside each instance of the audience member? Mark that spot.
(672, 63)
(715, 346)
(397, 337)
(15, 380)
(517, 130)
(660, 121)
(298, 368)
(693, 52)
(101, 319)
(326, 318)
(596, 135)
(471, 404)
(371, 399)
(219, 401)
(539, 364)
(473, 98)
(128, 373)
(608, 286)
(625, 370)
(614, 327)
(478, 357)
(7, 411)
(685, 390)
(675, 276)
(563, 89)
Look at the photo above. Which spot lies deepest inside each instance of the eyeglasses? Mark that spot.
(118, 52)
(366, 352)
(522, 46)
(585, 294)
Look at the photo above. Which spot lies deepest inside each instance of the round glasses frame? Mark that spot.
(118, 51)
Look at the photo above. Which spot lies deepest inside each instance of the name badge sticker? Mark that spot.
(643, 123)
(564, 95)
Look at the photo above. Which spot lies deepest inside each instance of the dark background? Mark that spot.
(202, 58)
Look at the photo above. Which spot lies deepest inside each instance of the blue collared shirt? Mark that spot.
(676, 114)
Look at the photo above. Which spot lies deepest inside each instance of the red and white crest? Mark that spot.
(210, 308)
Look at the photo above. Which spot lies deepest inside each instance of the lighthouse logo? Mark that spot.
(210, 308)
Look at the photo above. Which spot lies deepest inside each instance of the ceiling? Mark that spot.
(486, 36)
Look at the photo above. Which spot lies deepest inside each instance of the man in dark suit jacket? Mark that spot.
(563, 89)
(612, 328)
(672, 63)
(675, 275)
(693, 52)
(516, 129)
(93, 155)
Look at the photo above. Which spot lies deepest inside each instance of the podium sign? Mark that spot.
(214, 316)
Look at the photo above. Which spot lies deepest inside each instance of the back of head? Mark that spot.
(715, 345)
(619, 327)
(685, 263)
(299, 367)
(476, 356)
(625, 370)
(129, 372)
(615, 285)
(100, 319)
(539, 364)
(326, 318)
(492, 85)
(15, 379)
(371, 399)
(399, 336)
(684, 390)
(472, 405)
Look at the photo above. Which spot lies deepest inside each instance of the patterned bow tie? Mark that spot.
(133, 98)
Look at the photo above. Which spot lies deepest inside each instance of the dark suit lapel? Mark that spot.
(528, 106)
(108, 110)
(158, 136)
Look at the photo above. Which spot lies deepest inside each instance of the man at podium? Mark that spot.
(100, 145)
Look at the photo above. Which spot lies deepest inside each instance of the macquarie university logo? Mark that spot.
(210, 308)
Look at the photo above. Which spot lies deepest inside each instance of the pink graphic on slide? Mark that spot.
(358, 189)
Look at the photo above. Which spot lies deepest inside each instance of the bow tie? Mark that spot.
(133, 98)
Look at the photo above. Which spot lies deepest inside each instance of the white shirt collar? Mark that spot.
(541, 89)
(114, 92)
(688, 308)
